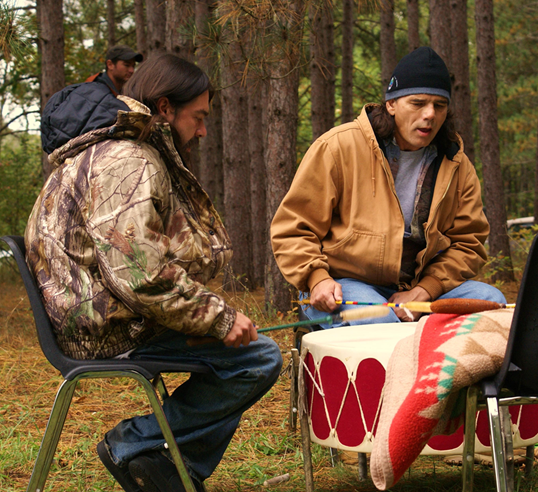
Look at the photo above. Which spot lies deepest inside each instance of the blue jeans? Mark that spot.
(205, 410)
(354, 290)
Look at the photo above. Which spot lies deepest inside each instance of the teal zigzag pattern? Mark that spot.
(446, 375)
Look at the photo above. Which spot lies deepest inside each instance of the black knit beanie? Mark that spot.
(422, 71)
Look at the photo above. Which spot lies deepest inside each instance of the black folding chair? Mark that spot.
(146, 372)
(515, 384)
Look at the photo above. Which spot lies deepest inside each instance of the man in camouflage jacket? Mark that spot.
(122, 241)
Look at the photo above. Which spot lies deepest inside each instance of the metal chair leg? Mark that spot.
(529, 460)
(55, 425)
(469, 442)
(508, 446)
(158, 384)
(171, 444)
(499, 465)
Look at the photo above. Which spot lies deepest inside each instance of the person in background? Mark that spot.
(81, 108)
(122, 241)
(387, 207)
(119, 67)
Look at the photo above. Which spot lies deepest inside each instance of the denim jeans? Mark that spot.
(203, 412)
(354, 290)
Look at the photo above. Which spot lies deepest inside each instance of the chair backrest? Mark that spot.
(69, 367)
(45, 331)
(520, 367)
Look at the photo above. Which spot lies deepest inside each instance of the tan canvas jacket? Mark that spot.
(342, 218)
(122, 240)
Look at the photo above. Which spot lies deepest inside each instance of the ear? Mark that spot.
(390, 106)
(109, 64)
(163, 107)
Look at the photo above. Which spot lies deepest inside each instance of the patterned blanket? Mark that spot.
(425, 384)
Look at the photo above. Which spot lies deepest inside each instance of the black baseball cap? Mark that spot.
(123, 52)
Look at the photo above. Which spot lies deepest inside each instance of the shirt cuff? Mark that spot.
(432, 286)
(316, 277)
(223, 324)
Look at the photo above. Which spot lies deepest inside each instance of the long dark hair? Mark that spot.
(166, 75)
(383, 125)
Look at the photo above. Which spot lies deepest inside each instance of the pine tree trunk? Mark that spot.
(536, 185)
(179, 15)
(51, 46)
(211, 159)
(413, 37)
(140, 25)
(387, 43)
(348, 24)
(111, 22)
(461, 89)
(440, 36)
(280, 152)
(237, 194)
(322, 68)
(489, 138)
(156, 19)
(257, 100)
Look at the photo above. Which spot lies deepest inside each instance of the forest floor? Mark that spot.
(262, 448)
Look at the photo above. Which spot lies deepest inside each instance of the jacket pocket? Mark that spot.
(358, 255)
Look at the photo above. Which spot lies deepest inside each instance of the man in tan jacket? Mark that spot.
(387, 207)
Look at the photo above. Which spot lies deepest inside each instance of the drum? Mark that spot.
(342, 388)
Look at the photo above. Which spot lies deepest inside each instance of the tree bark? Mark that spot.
(111, 22)
(280, 151)
(51, 45)
(536, 185)
(489, 138)
(348, 24)
(179, 14)
(257, 100)
(140, 25)
(413, 37)
(322, 68)
(156, 19)
(461, 88)
(211, 158)
(387, 43)
(237, 194)
(440, 36)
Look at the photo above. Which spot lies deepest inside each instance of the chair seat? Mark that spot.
(147, 368)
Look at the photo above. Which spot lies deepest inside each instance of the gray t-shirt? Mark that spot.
(410, 165)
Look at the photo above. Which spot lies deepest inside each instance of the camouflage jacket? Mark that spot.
(122, 241)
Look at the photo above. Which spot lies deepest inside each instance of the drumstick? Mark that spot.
(348, 315)
(444, 306)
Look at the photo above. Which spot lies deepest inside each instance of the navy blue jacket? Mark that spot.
(78, 109)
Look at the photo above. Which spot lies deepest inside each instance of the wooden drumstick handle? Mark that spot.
(363, 312)
(464, 306)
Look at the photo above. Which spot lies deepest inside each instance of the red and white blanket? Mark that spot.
(425, 384)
